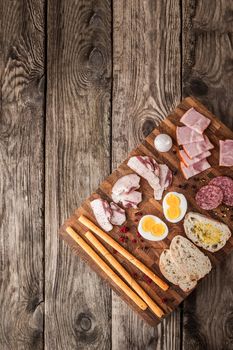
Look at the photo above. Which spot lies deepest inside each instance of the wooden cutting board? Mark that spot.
(146, 251)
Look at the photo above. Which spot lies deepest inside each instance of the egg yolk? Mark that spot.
(155, 228)
(172, 199)
(173, 211)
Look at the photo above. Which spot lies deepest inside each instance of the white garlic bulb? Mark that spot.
(163, 143)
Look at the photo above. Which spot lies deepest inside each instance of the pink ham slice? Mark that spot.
(188, 161)
(194, 169)
(126, 184)
(186, 135)
(165, 181)
(196, 148)
(118, 214)
(103, 213)
(226, 153)
(124, 191)
(195, 120)
(107, 215)
(128, 200)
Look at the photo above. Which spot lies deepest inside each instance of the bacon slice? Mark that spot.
(194, 169)
(124, 191)
(196, 148)
(226, 153)
(159, 176)
(188, 161)
(165, 181)
(147, 168)
(186, 135)
(103, 213)
(128, 200)
(107, 215)
(118, 214)
(195, 120)
(126, 184)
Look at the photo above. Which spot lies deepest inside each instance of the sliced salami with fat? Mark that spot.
(225, 183)
(209, 197)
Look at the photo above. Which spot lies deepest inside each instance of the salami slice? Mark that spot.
(226, 185)
(209, 197)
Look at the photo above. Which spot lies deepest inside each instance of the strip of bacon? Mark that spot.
(195, 120)
(188, 161)
(194, 169)
(226, 153)
(186, 135)
(196, 148)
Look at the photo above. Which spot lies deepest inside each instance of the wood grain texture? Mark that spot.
(146, 86)
(208, 75)
(153, 42)
(21, 174)
(78, 303)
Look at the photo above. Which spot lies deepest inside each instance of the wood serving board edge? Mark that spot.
(167, 300)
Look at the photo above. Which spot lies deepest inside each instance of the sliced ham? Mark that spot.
(194, 169)
(226, 153)
(196, 148)
(185, 135)
(128, 200)
(107, 215)
(124, 191)
(165, 181)
(103, 213)
(195, 120)
(188, 161)
(147, 168)
(118, 214)
(126, 184)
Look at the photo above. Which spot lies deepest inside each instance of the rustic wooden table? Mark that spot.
(82, 82)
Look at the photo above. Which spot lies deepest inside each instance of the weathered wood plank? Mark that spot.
(207, 74)
(78, 303)
(21, 174)
(146, 86)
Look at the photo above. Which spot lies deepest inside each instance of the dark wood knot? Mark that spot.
(95, 18)
(13, 53)
(33, 304)
(86, 328)
(85, 323)
(148, 126)
(36, 338)
(229, 325)
(96, 58)
(197, 87)
(228, 15)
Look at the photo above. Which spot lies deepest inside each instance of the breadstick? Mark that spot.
(114, 277)
(127, 277)
(91, 226)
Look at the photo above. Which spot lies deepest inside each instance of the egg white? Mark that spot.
(183, 206)
(148, 235)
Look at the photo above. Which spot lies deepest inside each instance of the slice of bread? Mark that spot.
(207, 233)
(173, 273)
(189, 258)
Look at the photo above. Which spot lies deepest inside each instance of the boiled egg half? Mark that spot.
(152, 228)
(174, 206)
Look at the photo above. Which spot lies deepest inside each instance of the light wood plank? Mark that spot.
(78, 303)
(207, 74)
(21, 174)
(146, 86)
